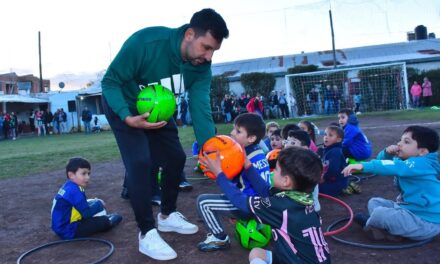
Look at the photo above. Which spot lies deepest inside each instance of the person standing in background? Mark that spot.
(427, 91)
(282, 100)
(86, 117)
(416, 91)
(32, 120)
(336, 98)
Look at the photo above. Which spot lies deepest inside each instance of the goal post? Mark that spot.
(364, 89)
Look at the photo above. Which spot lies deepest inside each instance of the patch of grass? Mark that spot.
(31, 155)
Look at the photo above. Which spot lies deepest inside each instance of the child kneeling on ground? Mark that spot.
(355, 144)
(73, 215)
(287, 207)
(248, 131)
(416, 212)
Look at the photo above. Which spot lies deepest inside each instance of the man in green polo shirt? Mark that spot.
(152, 55)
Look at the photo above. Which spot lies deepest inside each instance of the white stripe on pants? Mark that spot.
(211, 207)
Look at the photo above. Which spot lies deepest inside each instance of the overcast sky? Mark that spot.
(82, 36)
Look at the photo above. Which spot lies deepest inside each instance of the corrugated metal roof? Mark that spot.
(413, 50)
(15, 98)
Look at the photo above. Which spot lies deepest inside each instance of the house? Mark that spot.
(418, 54)
(20, 94)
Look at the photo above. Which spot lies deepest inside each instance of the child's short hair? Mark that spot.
(424, 136)
(302, 136)
(277, 133)
(346, 111)
(272, 124)
(287, 128)
(76, 163)
(302, 165)
(336, 129)
(253, 124)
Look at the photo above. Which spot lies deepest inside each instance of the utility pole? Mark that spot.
(39, 56)
(333, 38)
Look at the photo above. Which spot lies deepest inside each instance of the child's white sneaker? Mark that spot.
(155, 247)
(176, 222)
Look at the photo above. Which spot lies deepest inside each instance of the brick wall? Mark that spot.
(9, 80)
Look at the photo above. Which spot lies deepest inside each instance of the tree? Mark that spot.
(219, 87)
(302, 69)
(258, 82)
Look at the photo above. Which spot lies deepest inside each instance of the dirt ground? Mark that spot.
(25, 216)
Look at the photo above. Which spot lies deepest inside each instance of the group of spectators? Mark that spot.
(8, 125)
(45, 122)
(41, 122)
(274, 106)
(421, 94)
(331, 99)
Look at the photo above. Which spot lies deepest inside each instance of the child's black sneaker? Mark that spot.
(352, 188)
(355, 187)
(114, 219)
(212, 243)
(185, 186)
(156, 200)
(361, 219)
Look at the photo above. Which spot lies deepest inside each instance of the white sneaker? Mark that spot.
(155, 247)
(176, 222)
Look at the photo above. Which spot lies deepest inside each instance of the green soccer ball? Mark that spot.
(158, 101)
(251, 234)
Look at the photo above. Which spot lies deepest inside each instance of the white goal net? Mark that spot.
(363, 89)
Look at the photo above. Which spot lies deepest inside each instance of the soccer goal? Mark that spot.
(363, 89)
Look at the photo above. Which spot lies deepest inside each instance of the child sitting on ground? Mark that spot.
(72, 214)
(334, 162)
(300, 138)
(355, 145)
(96, 126)
(287, 208)
(276, 141)
(248, 130)
(309, 127)
(270, 128)
(414, 164)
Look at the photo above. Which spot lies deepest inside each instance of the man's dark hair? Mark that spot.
(287, 128)
(336, 129)
(302, 165)
(424, 136)
(302, 136)
(253, 124)
(207, 20)
(346, 111)
(76, 163)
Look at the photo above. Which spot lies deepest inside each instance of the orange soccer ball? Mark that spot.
(272, 157)
(231, 155)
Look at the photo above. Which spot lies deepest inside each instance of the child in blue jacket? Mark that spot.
(355, 144)
(414, 163)
(333, 182)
